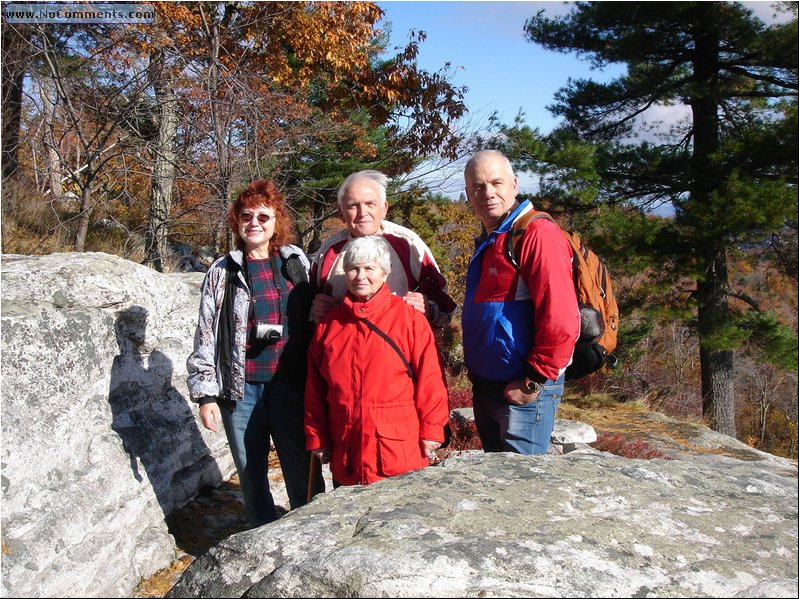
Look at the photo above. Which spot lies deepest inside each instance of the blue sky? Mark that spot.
(485, 41)
(504, 72)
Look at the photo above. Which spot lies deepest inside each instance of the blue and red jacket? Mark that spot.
(515, 320)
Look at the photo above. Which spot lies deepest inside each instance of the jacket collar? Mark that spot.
(376, 304)
(505, 226)
(513, 215)
(238, 257)
(286, 251)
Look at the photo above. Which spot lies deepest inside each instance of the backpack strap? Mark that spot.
(514, 236)
(390, 341)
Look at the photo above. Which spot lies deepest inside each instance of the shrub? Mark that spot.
(460, 399)
(464, 435)
(638, 449)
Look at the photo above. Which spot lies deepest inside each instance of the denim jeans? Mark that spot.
(269, 409)
(507, 427)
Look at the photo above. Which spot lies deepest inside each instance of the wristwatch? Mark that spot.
(531, 385)
(533, 380)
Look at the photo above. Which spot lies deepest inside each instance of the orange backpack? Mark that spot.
(599, 313)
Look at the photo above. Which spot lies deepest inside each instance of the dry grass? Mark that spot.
(33, 230)
(624, 425)
(162, 581)
(34, 224)
(592, 406)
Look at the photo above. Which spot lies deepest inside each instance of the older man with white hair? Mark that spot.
(519, 325)
(415, 276)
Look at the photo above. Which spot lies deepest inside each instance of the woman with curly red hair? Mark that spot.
(248, 366)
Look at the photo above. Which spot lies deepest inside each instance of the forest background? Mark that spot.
(134, 139)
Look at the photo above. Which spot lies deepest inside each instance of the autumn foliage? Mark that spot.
(133, 141)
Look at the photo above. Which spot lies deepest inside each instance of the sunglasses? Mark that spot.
(262, 218)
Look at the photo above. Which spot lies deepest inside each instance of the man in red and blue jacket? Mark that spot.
(519, 326)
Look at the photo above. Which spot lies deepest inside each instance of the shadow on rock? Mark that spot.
(152, 418)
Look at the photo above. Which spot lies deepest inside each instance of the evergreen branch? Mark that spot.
(764, 77)
(747, 299)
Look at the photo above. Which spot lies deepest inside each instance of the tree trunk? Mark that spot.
(84, 216)
(716, 363)
(315, 242)
(52, 157)
(762, 423)
(163, 179)
(15, 63)
(220, 118)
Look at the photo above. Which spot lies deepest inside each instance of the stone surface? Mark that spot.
(100, 444)
(569, 432)
(99, 439)
(587, 524)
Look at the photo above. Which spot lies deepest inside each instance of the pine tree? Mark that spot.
(728, 168)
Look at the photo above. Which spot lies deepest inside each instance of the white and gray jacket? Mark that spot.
(205, 376)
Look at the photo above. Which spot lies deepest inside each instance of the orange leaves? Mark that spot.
(258, 87)
(296, 42)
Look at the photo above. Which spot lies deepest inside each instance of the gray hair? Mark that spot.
(484, 156)
(376, 177)
(370, 248)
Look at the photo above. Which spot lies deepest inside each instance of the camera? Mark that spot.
(268, 332)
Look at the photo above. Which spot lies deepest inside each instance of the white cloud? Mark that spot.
(766, 12)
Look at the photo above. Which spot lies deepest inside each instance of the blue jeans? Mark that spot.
(269, 409)
(519, 429)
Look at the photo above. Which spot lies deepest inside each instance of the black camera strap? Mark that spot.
(390, 341)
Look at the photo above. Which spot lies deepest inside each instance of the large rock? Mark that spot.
(587, 524)
(100, 441)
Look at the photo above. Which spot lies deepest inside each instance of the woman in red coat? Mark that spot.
(373, 409)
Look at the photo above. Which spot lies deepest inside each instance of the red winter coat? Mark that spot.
(360, 402)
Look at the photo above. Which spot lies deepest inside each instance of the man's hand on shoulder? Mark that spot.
(322, 303)
(417, 301)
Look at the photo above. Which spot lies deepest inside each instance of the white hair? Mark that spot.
(379, 179)
(370, 248)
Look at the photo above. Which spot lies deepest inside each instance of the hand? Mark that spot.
(323, 454)
(321, 305)
(210, 416)
(516, 393)
(417, 301)
(429, 448)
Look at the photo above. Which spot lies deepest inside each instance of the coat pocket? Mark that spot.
(397, 449)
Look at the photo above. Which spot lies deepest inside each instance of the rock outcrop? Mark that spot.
(586, 524)
(99, 439)
(100, 443)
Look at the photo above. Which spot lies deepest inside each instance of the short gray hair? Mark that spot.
(376, 177)
(370, 248)
(483, 156)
